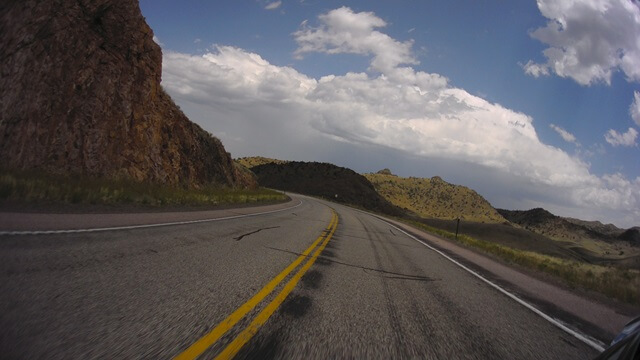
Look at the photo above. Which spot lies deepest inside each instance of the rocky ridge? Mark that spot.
(80, 94)
(543, 222)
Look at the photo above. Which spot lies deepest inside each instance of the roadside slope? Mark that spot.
(434, 198)
(324, 180)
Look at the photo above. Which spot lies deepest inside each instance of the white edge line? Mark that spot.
(71, 231)
(582, 337)
(595, 344)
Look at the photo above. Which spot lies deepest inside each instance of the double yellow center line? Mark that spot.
(245, 335)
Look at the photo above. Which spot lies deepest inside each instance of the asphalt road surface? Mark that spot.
(316, 281)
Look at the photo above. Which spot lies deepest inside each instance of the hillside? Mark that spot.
(81, 95)
(434, 198)
(252, 161)
(324, 180)
(543, 222)
(597, 226)
(592, 239)
(631, 235)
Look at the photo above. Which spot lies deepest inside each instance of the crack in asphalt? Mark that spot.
(253, 232)
(393, 275)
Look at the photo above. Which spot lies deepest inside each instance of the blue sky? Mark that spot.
(565, 73)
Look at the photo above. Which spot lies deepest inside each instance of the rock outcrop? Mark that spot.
(80, 94)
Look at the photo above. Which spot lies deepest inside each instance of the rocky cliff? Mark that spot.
(80, 94)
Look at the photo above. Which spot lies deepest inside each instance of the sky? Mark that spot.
(531, 104)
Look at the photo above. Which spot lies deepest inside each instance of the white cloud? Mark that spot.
(566, 136)
(273, 5)
(157, 41)
(589, 40)
(280, 111)
(625, 139)
(197, 41)
(535, 70)
(343, 31)
(634, 109)
(617, 190)
(591, 151)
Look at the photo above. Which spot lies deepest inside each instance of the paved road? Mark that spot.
(362, 290)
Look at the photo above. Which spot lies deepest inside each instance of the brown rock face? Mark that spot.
(80, 94)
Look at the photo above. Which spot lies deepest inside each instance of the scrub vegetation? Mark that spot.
(40, 188)
(614, 282)
(434, 197)
(252, 161)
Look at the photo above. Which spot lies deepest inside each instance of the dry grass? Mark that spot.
(252, 161)
(434, 198)
(620, 284)
(42, 188)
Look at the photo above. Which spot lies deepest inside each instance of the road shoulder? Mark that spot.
(50, 221)
(596, 319)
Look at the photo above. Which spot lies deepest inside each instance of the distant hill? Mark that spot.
(434, 198)
(543, 222)
(597, 226)
(81, 95)
(324, 180)
(590, 238)
(252, 161)
(631, 235)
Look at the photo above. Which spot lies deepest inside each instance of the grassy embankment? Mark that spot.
(434, 198)
(621, 284)
(40, 188)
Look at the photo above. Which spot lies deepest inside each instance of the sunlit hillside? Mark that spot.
(434, 198)
(252, 161)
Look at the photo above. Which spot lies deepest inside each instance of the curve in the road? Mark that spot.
(241, 339)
